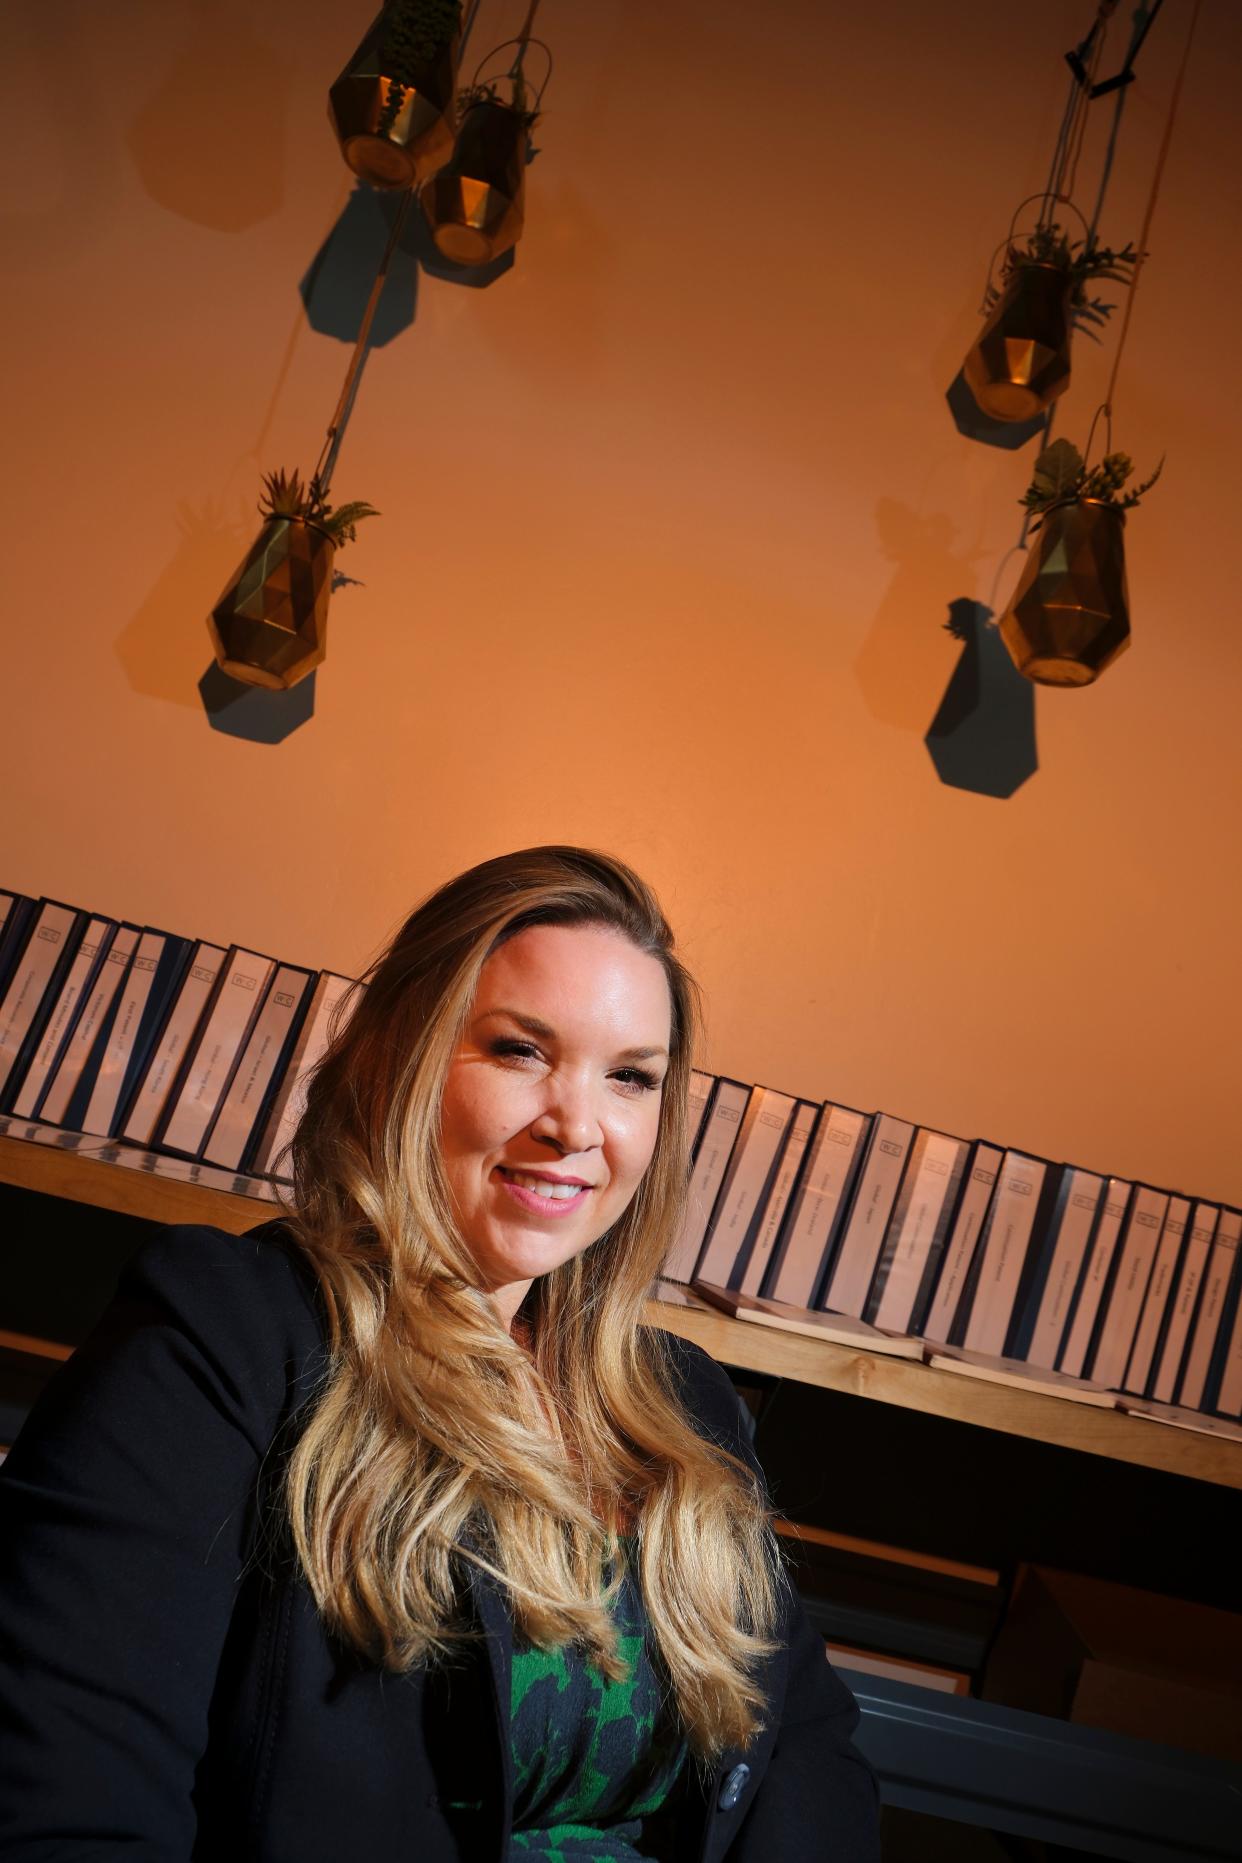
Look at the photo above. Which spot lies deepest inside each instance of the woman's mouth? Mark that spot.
(547, 1196)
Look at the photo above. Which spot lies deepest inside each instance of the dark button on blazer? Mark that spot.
(167, 1689)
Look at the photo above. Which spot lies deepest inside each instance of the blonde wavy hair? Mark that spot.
(437, 1438)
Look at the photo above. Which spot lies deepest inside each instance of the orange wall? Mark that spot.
(672, 517)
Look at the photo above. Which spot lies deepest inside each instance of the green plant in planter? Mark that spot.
(1061, 474)
(1069, 616)
(1081, 260)
(415, 33)
(489, 93)
(284, 495)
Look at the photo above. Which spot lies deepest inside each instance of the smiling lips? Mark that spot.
(547, 1196)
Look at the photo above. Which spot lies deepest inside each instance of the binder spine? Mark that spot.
(700, 1094)
(242, 1108)
(848, 1282)
(1171, 1350)
(17, 911)
(1160, 1288)
(1227, 1380)
(1123, 1298)
(914, 1241)
(33, 987)
(1212, 1299)
(720, 1132)
(767, 1226)
(69, 1088)
(1080, 1322)
(74, 991)
(239, 992)
(805, 1247)
(148, 1097)
(746, 1183)
(1002, 1253)
(330, 993)
(1042, 1324)
(974, 1202)
(152, 970)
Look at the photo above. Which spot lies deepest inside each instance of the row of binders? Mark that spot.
(796, 1212)
(173, 1044)
(992, 1257)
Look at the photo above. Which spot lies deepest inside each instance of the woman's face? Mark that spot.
(552, 1099)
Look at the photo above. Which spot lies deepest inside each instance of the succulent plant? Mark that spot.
(489, 92)
(415, 32)
(285, 495)
(1061, 474)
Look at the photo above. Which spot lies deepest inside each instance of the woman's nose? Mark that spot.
(569, 1119)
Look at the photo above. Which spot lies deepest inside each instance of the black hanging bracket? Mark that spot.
(1077, 59)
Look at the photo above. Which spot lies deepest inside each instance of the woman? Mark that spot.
(389, 1530)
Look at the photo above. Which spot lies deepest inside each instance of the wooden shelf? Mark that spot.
(914, 1386)
(147, 1192)
(134, 1191)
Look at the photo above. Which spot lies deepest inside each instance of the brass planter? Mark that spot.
(270, 626)
(1069, 617)
(1021, 360)
(420, 136)
(475, 205)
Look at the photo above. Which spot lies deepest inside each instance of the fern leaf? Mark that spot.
(1058, 471)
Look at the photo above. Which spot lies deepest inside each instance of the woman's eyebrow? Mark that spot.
(545, 1032)
(531, 1024)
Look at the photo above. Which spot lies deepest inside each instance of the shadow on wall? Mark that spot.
(983, 735)
(59, 143)
(209, 143)
(161, 647)
(904, 661)
(338, 280)
(251, 713)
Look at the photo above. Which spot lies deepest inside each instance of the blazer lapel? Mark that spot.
(492, 1614)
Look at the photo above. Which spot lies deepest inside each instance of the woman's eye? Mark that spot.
(507, 1048)
(637, 1079)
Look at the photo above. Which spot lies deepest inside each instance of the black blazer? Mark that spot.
(168, 1690)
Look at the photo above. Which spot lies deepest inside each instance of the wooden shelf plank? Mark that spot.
(27, 1346)
(915, 1386)
(132, 1192)
(61, 1172)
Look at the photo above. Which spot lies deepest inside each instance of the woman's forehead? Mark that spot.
(577, 977)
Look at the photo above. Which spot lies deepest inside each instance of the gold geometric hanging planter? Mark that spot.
(1069, 616)
(394, 130)
(269, 628)
(474, 206)
(1020, 361)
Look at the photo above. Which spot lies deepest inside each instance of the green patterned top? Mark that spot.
(592, 1759)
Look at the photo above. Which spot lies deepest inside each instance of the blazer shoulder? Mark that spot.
(256, 1282)
(707, 1392)
(244, 1306)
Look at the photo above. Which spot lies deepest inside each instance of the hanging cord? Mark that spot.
(1107, 412)
(1067, 120)
(322, 479)
(1074, 143)
(1079, 88)
(523, 38)
(1143, 239)
(1144, 19)
(344, 407)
